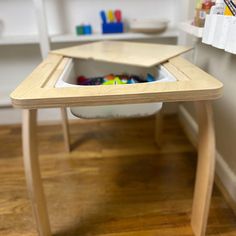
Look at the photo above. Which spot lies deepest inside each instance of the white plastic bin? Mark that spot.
(93, 68)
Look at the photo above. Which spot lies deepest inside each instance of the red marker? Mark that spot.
(118, 15)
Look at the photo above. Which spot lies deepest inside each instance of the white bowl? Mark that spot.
(148, 25)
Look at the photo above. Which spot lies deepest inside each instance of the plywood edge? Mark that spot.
(72, 100)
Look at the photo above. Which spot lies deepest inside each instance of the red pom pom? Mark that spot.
(81, 80)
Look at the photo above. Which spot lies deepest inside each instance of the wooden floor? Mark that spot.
(115, 182)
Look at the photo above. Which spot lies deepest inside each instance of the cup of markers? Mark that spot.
(112, 22)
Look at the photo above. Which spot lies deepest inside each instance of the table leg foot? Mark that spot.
(205, 168)
(32, 172)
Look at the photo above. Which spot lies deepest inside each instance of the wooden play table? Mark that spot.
(192, 84)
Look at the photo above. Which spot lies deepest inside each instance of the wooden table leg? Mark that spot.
(32, 172)
(65, 127)
(205, 168)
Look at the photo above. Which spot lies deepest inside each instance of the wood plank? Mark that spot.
(205, 169)
(131, 53)
(32, 172)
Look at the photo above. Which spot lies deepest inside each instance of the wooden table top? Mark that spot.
(192, 83)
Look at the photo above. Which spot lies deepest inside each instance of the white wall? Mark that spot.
(222, 65)
(63, 15)
(18, 17)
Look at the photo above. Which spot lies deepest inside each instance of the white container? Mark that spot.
(209, 29)
(92, 68)
(221, 31)
(231, 37)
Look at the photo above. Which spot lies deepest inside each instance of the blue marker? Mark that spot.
(131, 81)
(150, 78)
(103, 16)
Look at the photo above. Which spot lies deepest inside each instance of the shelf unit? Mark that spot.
(44, 19)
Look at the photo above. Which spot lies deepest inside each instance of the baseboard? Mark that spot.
(225, 176)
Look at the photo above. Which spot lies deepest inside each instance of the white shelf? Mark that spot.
(4, 98)
(65, 38)
(18, 39)
(219, 32)
(187, 27)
